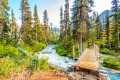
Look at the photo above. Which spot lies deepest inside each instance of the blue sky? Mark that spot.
(53, 8)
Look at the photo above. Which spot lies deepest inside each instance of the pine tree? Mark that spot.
(4, 8)
(36, 23)
(56, 35)
(13, 26)
(61, 23)
(53, 34)
(26, 22)
(97, 28)
(22, 8)
(80, 19)
(66, 18)
(46, 25)
(50, 35)
(115, 10)
(108, 29)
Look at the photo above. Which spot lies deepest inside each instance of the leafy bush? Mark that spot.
(29, 40)
(103, 45)
(62, 52)
(26, 47)
(6, 40)
(10, 67)
(34, 48)
(76, 55)
(107, 51)
(55, 42)
(14, 66)
(111, 63)
(42, 64)
(10, 51)
(38, 47)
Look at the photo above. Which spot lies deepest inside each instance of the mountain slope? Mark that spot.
(103, 14)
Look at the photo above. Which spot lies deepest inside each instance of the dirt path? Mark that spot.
(49, 75)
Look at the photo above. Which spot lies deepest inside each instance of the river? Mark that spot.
(64, 62)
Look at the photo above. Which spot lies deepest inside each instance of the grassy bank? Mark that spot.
(14, 62)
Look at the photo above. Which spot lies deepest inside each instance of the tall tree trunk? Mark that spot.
(109, 39)
(80, 43)
(118, 41)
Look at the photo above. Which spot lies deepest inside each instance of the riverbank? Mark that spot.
(55, 60)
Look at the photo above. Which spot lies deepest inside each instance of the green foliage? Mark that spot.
(107, 51)
(6, 67)
(33, 48)
(66, 52)
(111, 63)
(61, 51)
(26, 47)
(29, 40)
(55, 42)
(6, 40)
(10, 51)
(11, 66)
(38, 47)
(51, 67)
(42, 64)
(103, 45)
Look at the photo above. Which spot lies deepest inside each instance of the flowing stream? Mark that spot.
(64, 62)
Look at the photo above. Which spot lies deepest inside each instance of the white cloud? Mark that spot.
(101, 5)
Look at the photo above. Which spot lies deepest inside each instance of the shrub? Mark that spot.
(38, 47)
(6, 40)
(34, 48)
(103, 45)
(26, 47)
(66, 52)
(41, 64)
(111, 63)
(55, 42)
(11, 66)
(10, 51)
(61, 51)
(7, 66)
(76, 55)
(107, 51)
